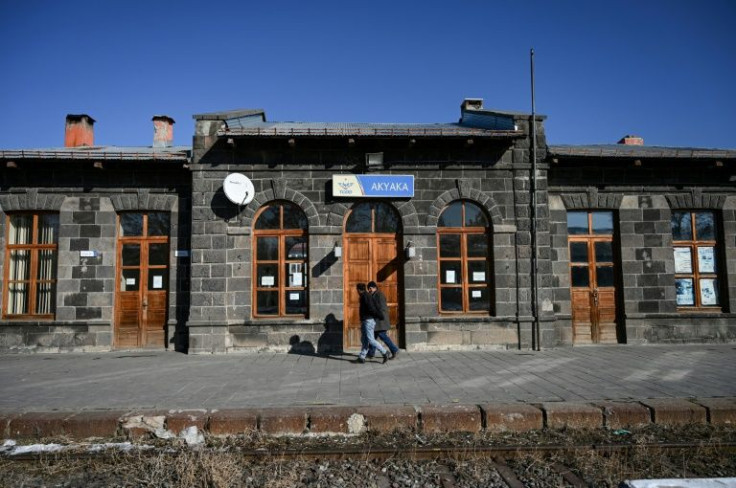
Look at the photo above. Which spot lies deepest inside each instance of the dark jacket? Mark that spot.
(384, 323)
(368, 308)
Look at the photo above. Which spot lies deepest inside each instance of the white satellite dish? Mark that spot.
(238, 188)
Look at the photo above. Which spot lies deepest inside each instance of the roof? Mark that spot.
(639, 152)
(296, 129)
(231, 114)
(85, 153)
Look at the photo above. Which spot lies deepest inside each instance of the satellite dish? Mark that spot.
(238, 188)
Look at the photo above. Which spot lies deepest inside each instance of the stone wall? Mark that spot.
(642, 198)
(88, 200)
(492, 174)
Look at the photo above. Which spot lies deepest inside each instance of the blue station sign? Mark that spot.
(394, 186)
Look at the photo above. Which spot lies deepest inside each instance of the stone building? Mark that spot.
(89, 236)
(480, 235)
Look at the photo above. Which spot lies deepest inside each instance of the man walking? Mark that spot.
(369, 314)
(384, 324)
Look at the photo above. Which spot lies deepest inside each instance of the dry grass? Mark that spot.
(218, 464)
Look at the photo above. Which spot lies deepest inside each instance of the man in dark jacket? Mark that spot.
(369, 314)
(384, 324)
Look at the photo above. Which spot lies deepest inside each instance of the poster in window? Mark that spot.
(450, 276)
(267, 280)
(685, 295)
(158, 282)
(708, 294)
(479, 276)
(683, 260)
(295, 274)
(706, 260)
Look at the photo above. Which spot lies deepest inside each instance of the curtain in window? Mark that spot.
(20, 233)
(45, 291)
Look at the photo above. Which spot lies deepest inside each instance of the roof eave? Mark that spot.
(323, 132)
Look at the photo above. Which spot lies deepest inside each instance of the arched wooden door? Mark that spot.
(373, 252)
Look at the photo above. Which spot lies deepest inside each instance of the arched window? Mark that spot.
(463, 245)
(280, 261)
(375, 217)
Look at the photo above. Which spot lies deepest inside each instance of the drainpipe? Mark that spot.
(533, 194)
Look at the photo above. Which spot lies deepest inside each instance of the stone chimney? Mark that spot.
(163, 131)
(79, 131)
(631, 140)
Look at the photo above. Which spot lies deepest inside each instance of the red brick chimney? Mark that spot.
(631, 140)
(79, 131)
(163, 131)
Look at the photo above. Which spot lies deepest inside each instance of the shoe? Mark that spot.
(385, 358)
(394, 354)
(361, 360)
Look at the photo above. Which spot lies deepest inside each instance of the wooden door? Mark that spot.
(371, 254)
(371, 258)
(592, 276)
(142, 285)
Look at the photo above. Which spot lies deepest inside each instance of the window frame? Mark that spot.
(282, 263)
(33, 281)
(466, 286)
(696, 275)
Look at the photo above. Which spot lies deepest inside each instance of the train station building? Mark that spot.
(480, 233)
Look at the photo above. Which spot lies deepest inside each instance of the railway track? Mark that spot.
(510, 466)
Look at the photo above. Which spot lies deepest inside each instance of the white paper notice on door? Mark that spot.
(479, 276)
(295, 279)
(294, 297)
(130, 281)
(158, 282)
(476, 293)
(450, 276)
(267, 280)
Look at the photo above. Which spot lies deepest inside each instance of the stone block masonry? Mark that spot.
(346, 420)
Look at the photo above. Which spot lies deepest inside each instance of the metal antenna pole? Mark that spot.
(533, 190)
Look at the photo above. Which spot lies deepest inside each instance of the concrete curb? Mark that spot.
(344, 420)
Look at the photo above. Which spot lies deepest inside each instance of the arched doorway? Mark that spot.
(372, 240)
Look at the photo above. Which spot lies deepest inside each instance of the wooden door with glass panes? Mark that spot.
(592, 277)
(142, 280)
(372, 242)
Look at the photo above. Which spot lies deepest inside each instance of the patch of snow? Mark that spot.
(36, 448)
(192, 436)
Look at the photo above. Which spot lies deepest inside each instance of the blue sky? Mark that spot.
(660, 69)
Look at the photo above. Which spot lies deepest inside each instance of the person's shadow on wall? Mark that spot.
(329, 344)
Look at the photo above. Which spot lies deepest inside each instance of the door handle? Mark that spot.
(595, 296)
(145, 303)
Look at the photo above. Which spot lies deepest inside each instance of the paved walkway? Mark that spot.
(169, 380)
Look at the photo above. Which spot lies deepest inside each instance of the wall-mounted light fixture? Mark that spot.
(337, 250)
(410, 250)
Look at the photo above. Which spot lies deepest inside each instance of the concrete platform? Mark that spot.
(142, 393)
